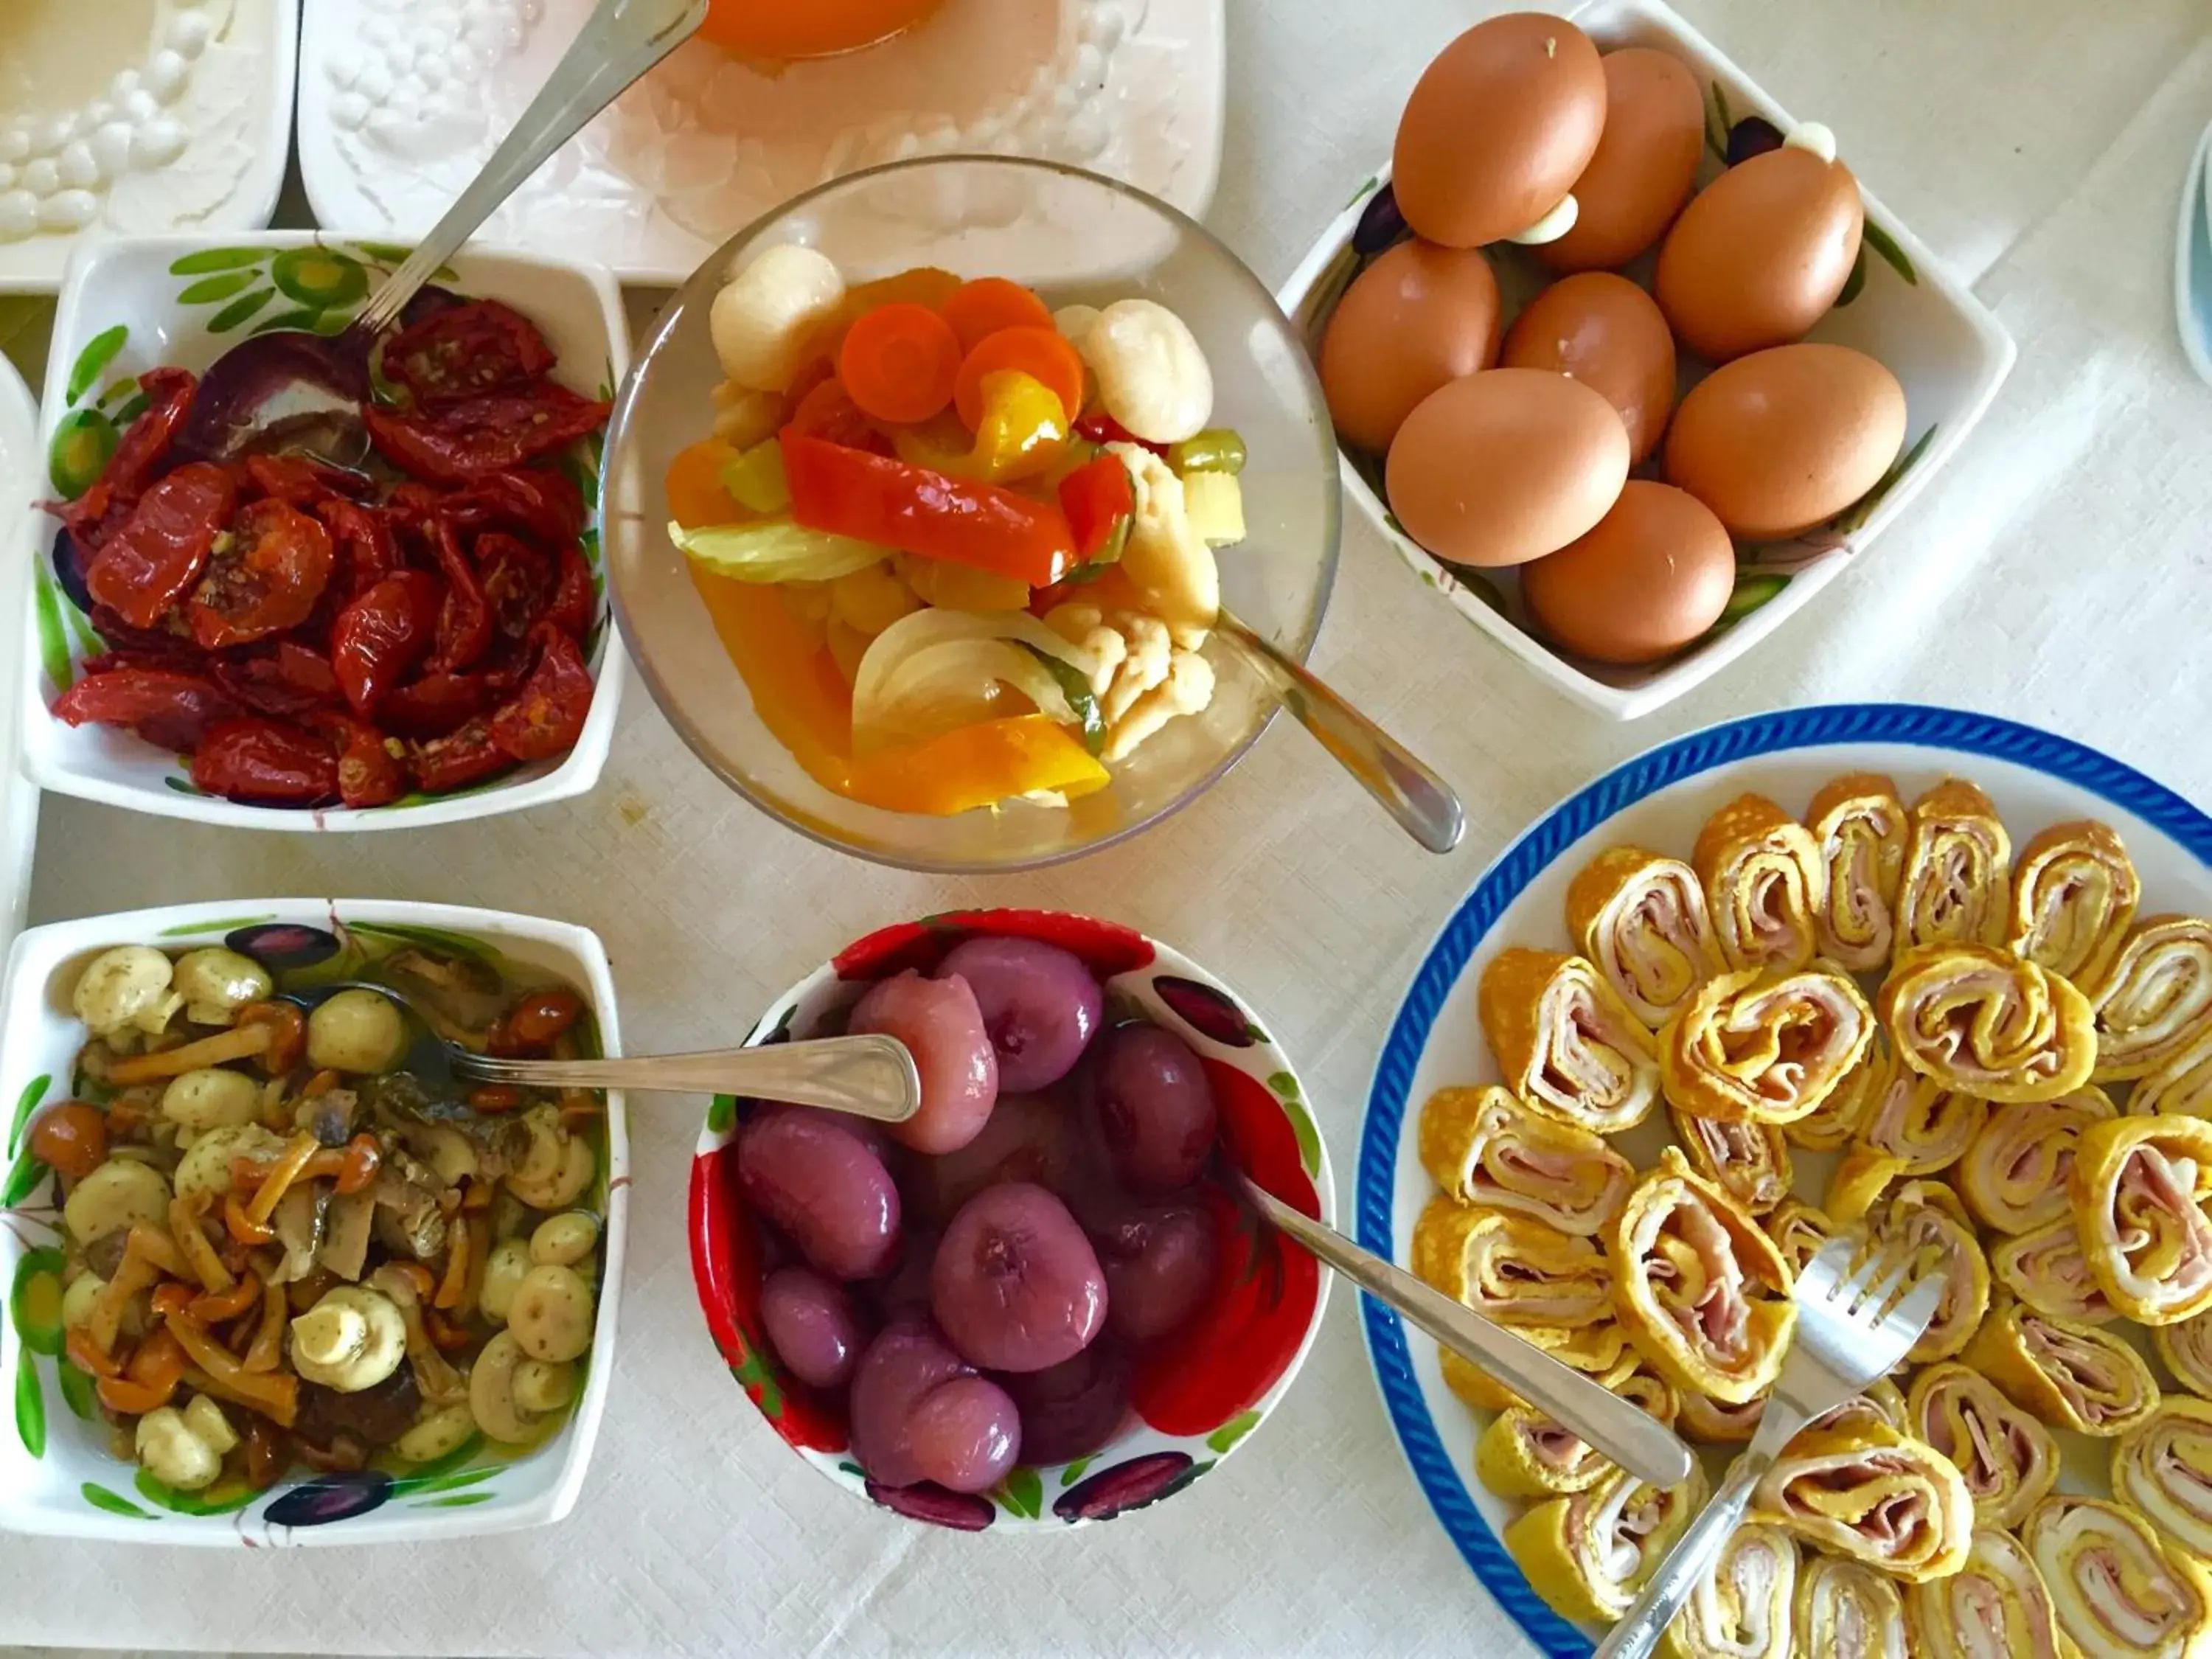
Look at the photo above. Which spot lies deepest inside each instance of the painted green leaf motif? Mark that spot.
(852, 1469)
(116, 390)
(1022, 1492)
(30, 1407)
(239, 310)
(218, 258)
(34, 1302)
(299, 316)
(1852, 517)
(1284, 1085)
(99, 351)
(1232, 1431)
(722, 1115)
(391, 253)
(1750, 592)
(182, 786)
(217, 1500)
(1885, 245)
(459, 944)
(53, 642)
(1256, 1033)
(422, 1474)
(22, 1180)
(101, 1498)
(1717, 123)
(1853, 284)
(208, 289)
(1368, 185)
(752, 1371)
(80, 1391)
(410, 1484)
(83, 440)
(227, 925)
(458, 1500)
(26, 1103)
(131, 410)
(1073, 1472)
(319, 276)
(1302, 1126)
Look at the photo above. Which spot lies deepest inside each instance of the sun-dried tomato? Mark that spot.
(465, 351)
(302, 482)
(465, 620)
(286, 680)
(468, 756)
(371, 768)
(541, 503)
(546, 716)
(434, 706)
(267, 764)
(152, 562)
(462, 441)
(518, 581)
(169, 710)
(267, 579)
(381, 635)
(367, 547)
(144, 445)
(576, 603)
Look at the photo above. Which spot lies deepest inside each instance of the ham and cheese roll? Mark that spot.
(1587, 1553)
(2074, 893)
(1766, 1047)
(1640, 917)
(1860, 1178)
(1829, 1127)
(1749, 1162)
(2008, 1459)
(1484, 1148)
(1957, 887)
(1710, 1423)
(2117, 1591)
(2048, 1270)
(2183, 1084)
(1924, 1126)
(1765, 883)
(1846, 1610)
(2072, 1375)
(1525, 1453)
(1565, 1044)
(2186, 1350)
(1927, 1218)
(1510, 1268)
(2138, 1189)
(1798, 1229)
(2162, 1470)
(1995, 1607)
(1874, 1495)
(1860, 826)
(2154, 1003)
(1743, 1609)
(1596, 1349)
(1989, 1024)
(1701, 1291)
(2015, 1176)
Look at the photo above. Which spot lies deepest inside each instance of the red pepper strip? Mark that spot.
(464, 622)
(169, 394)
(893, 503)
(170, 710)
(381, 635)
(153, 561)
(1099, 502)
(1103, 428)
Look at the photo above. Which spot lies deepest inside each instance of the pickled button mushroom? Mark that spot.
(217, 983)
(169, 1451)
(542, 1387)
(504, 1271)
(491, 1393)
(211, 1098)
(351, 1339)
(562, 1241)
(209, 1425)
(356, 1030)
(558, 1166)
(77, 1301)
(766, 314)
(1152, 375)
(438, 1434)
(551, 1315)
(127, 989)
(119, 1195)
(206, 1166)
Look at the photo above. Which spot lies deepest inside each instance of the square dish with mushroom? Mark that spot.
(271, 1268)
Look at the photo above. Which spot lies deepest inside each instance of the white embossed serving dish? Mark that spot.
(401, 100)
(132, 117)
(19, 526)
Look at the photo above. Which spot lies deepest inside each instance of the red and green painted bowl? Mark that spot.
(1193, 1401)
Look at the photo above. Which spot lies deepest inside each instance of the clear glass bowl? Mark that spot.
(1074, 237)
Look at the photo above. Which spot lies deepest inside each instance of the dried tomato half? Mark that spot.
(302, 482)
(151, 563)
(576, 603)
(542, 504)
(381, 635)
(466, 351)
(460, 442)
(286, 680)
(169, 710)
(267, 579)
(371, 768)
(518, 581)
(546, 716)
(262, 761)
(434, 706)
(367, 549)
(144, 446)
(467, 755)
(465, 620)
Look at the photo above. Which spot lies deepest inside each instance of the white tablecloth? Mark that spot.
(2061, 573)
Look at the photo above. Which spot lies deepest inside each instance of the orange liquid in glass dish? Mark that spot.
(780, 31)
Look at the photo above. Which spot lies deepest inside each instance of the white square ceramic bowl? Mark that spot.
(127, 307)
(1945, 347)
(57, 1477)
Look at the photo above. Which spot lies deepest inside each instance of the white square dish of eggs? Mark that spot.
(1624, 360)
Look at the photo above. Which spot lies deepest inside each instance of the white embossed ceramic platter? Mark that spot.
(401, 100)
(20, 477)
(134, 118)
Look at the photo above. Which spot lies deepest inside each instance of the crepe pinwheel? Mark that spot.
(1700, 1289)
(1957, 887)
(2117, 1591)
(1829, 1127)
(2162, 1470)
(1988, 1023)
(2186, 1350)
(2007, 1458)
(1526, 1453)
(1860, 1178)
(1710, 1423)
(1743, 1609)
(1860, 826)
(1748, 1161)
(2049, 1271)
(1769, 1047)
(1846, 1610)
(2074, 893)
(1513, 1269)
(2138, 1188)
(1597, 1349)
(1798, 1229)
(1765, 883)
(1640, 917)
(1995, 1607)
(1484, 1147)
(1926, 1218)
(1922, 1124)
(2154, 1003)
(1873, 1494)
(2183, 1084)
(2013, 1176)
(1564, 1040)
(1587, 1553)
(2072, 1375)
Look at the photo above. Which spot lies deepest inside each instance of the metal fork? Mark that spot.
(1853, 1324)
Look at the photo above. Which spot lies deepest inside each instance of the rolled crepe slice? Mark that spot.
(2162, 1470)
(1641, 918)
(2008, 1459)
(1829, 1127)
(2116, 1589)
(1516, 1270)
(1873, 1494)
(1766, 1047)
(2183, 1084)
(2154, 1003)
(2138, 1188)
(2074, 894)
(1846, 1610)
(1860, 1178)
(1957, 888)
(1710, 1422)
(2014, 1177)
(1924, 1125)
(2072, 1375)
(2186, 1350)
(1988, 1023)
(1701, 1291)
(1566, 1044)
(1598, 1349)
(1634, 1381)
(1765, 883)
(1587, 1553)
(1798, 1229)
(1995, 1607)
(1927, 1218)
(1860, 826)
(1477, 1387)
(1743, 1609)
(1484, 1147)
(1750, 1161)
(2049, 1271)
(1525, 1453)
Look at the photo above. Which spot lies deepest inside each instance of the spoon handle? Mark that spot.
(619, 42)
(1422, 802)
(1643, 1446)
(871, 1076)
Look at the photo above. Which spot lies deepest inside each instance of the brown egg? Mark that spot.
(1606, 332)
(1498, 129)
(1780, 440)
(1645, 167)
(1652, 576)
(1760, 254)
(1506, 465)
(1418, 317)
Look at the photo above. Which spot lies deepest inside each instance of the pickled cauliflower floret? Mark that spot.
(1152, 375)
(766, 314)
(1144, 679)
(170, 1451)
(127, 992)
(1166, 558)
(351, 1339)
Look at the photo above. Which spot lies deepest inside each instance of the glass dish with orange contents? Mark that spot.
(959, 545)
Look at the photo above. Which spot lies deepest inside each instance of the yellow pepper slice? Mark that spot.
(979, 765)
(1022, 433)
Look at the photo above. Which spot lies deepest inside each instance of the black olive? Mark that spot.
(1380, 226)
